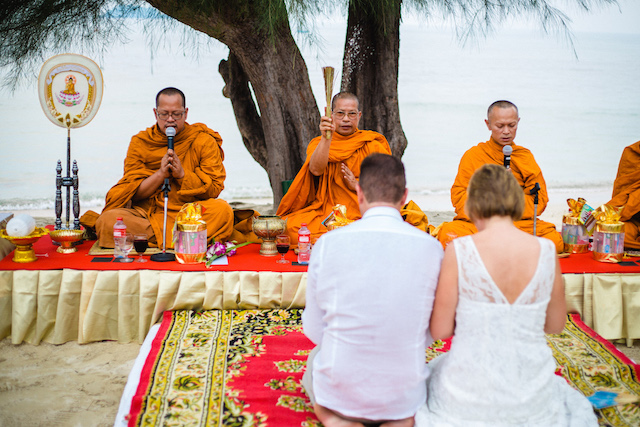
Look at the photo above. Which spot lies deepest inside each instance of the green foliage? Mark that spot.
(31, 29)
(475, 19)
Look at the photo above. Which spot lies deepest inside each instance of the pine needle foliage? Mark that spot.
(476, 19)
(32, 30)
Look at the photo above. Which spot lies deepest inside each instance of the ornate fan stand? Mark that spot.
(70, 90)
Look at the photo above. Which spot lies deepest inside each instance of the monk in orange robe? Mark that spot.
(331, 170)
(626, 192)
(502, 121)
(194, 168)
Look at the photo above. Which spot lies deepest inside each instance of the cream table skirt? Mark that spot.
(57, 306)
(608, 303)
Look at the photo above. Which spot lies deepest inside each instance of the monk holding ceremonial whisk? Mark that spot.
(331, 170)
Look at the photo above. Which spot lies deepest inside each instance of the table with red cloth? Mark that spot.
(66, 297)
(607, 295)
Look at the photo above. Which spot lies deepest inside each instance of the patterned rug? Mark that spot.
(244, 368)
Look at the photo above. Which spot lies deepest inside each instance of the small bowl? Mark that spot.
(66, 238)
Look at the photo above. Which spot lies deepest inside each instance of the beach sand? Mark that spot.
(81, 385)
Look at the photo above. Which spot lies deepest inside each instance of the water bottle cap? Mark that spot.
(304, 224)
(119, 218)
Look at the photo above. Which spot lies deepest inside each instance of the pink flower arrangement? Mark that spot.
(219, 249)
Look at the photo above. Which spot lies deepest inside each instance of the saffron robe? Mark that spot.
(311, 199)
(527, 173)
(626, 192)
(199, 150)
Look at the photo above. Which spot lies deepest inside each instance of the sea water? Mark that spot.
(577, 114)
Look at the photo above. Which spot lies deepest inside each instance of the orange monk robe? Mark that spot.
(199, 150)
(527, 173)
(310, 199)
(626, 192)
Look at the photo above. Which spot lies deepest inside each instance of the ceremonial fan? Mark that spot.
(70, 91)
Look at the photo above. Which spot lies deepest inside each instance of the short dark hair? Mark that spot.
(494, 191)
(344, 95)
(382, 178)
(501, 104)
(171, 91)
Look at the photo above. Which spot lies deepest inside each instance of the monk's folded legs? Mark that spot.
(135, 219)
(632, 235)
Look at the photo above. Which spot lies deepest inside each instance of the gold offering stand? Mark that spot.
(267, 227)
(67, 240)
(24, 244)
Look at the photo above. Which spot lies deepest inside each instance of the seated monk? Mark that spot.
(331, 170)
(195, 171)
(502, 121)
(626, 192)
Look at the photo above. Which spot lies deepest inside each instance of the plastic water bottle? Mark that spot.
(119, 230)
(304, 244)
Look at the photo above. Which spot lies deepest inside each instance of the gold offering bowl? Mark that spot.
(66, 238)
(267, 227)
(24, 244)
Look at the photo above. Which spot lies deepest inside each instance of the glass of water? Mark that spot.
(125, 244)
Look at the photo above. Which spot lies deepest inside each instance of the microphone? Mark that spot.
(506, 150)
(171, 132)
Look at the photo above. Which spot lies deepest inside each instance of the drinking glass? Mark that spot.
(282, 245)
(125, 244)
(141, 243)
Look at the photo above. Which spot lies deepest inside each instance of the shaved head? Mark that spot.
(501, 104)
(344, 95)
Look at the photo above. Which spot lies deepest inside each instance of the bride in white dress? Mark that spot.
(500, 291)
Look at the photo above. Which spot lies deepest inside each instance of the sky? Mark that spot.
(608, 18)
(624, 18)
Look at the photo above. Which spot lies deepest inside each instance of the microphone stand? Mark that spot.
(534, 191)
(164, 256)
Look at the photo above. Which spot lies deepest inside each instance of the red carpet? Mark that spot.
(244, 368)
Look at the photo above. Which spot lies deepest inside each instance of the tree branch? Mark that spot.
(244, 108)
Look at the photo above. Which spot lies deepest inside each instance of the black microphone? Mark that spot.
(507, 150)
(171, 132)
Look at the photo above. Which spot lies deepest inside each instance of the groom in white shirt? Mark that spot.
(370, 291)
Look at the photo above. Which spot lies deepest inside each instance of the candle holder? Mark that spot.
(24, 244)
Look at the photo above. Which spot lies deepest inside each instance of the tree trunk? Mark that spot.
(370, 66)
(288, 118)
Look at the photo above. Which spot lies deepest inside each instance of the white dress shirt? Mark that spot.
(370, 291)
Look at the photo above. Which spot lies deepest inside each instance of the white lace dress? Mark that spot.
(500, 371)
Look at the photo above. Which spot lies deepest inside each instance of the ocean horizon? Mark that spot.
(577, 114)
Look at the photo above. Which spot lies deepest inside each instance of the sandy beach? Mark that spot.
(81, 385)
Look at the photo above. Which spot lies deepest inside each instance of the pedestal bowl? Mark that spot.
(267, 227)
(24, 244)
(66, 238)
